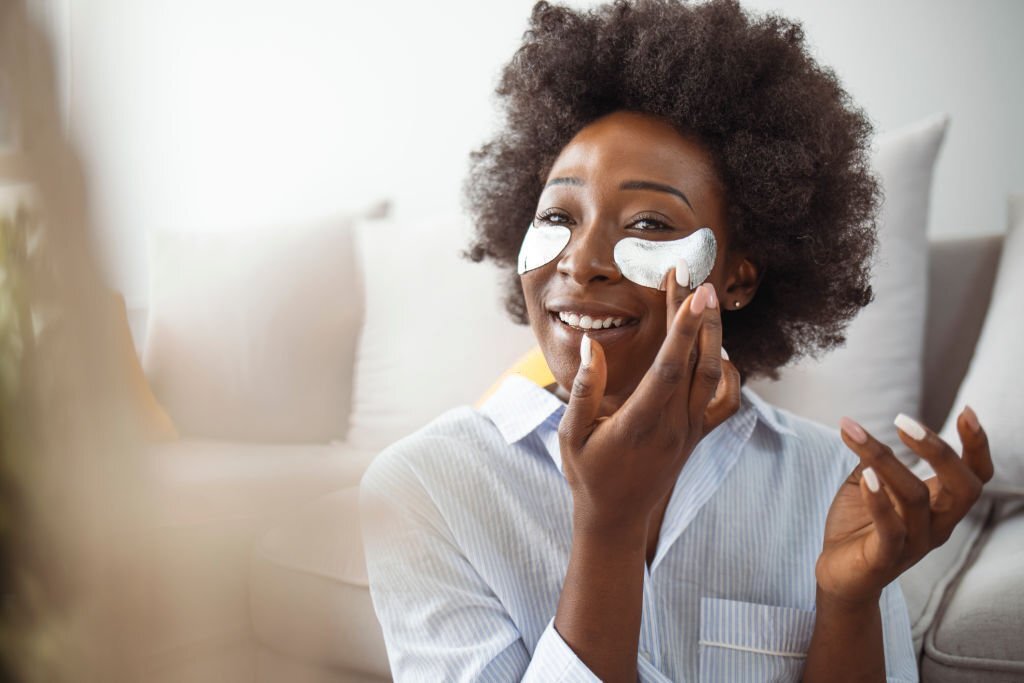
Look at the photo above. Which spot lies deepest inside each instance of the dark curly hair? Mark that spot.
(788, 143)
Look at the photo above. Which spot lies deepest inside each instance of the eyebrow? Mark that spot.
(628, 185)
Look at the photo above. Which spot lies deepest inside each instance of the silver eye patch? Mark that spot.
(541, 245)
(644, 262)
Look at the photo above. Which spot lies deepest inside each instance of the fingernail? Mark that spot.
(725, 355)
(712, 299)
(971, 418)
(910, 427)
(853, 430)
(871, 479)
(683, 273)
(585, 351)
(699, 300)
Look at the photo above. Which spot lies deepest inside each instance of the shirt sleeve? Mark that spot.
(440, 619)
(900, 656)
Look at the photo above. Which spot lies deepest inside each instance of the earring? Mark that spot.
(737, 304)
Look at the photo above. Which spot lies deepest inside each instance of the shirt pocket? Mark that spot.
(746, 641)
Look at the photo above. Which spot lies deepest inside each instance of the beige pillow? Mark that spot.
(251, 335)
(994, 384)
(436, 332)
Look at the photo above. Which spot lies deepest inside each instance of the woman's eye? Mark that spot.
(552, 218)
(650, 225)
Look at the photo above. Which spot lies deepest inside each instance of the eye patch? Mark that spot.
(642, 261)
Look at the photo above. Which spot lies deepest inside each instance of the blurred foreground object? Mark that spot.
(71, 494)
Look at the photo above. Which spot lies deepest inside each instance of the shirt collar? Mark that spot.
(519, 407)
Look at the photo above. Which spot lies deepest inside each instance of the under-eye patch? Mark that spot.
(642, 261)
(646, 262)
(541, 245)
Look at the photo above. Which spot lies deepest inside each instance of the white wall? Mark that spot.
(220, 114)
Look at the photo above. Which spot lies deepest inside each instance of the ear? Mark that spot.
(741, 284)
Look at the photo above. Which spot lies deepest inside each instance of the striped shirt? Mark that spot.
(468, 528)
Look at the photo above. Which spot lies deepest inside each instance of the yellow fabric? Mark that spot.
(532, 366)
(155, 423)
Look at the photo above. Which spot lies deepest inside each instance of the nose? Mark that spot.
(588, 256)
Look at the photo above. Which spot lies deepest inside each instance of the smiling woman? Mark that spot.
(684, 198)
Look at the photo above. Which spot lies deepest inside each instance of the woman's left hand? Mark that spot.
(884, 519)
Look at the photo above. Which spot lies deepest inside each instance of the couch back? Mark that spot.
(961, 273)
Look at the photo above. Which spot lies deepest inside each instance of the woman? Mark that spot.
(644, 516)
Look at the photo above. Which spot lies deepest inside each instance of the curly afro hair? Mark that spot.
(790, 147)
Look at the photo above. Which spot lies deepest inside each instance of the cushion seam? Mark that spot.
(931, 649)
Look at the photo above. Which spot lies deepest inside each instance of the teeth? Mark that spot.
(586, 322)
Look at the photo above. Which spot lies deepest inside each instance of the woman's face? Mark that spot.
(625, 175)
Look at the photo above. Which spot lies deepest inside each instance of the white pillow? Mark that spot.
(994, 384)
(251, 335)
(436, 333)
(878, 373)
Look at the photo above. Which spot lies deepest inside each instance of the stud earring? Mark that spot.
(737, 304)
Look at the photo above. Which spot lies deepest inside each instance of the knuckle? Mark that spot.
(709, 370)
(638, 435)
(918, 495)
(671, 372)
(580, 388)
(693, 356)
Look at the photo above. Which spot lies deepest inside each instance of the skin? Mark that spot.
(621, 457)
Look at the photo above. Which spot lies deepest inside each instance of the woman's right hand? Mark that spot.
(619, 467)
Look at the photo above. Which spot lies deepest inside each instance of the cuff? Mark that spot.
(555, 662)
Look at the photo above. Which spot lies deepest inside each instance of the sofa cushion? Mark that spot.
(211, 501)
(925, 584)
(885, 341)
(251, 335)
(977, 634)
(435, 326)
(994, 385)
(309, 595)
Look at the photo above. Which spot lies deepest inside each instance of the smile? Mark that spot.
(585, 322)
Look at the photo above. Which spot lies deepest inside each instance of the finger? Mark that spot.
(976, 452)
(677, 288)
(726, 400)
(910, 493)
(885, 545)
(953, 474)
(708, 370)
(581, 414)
(673, 366)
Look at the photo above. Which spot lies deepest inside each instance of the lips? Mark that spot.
(591, 317)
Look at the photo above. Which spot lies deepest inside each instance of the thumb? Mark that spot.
(586, 394)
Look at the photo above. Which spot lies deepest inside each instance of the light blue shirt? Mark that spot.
(468, 528)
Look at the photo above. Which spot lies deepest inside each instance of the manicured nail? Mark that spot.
(725, 355)
(683, 273)
(971, 418)
(853, 430)
(871, 479)
(712, 299)
(699, 300)
(585, 351)
(910, 427)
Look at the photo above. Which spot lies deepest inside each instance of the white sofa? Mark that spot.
(258, 567)
(261, 574)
